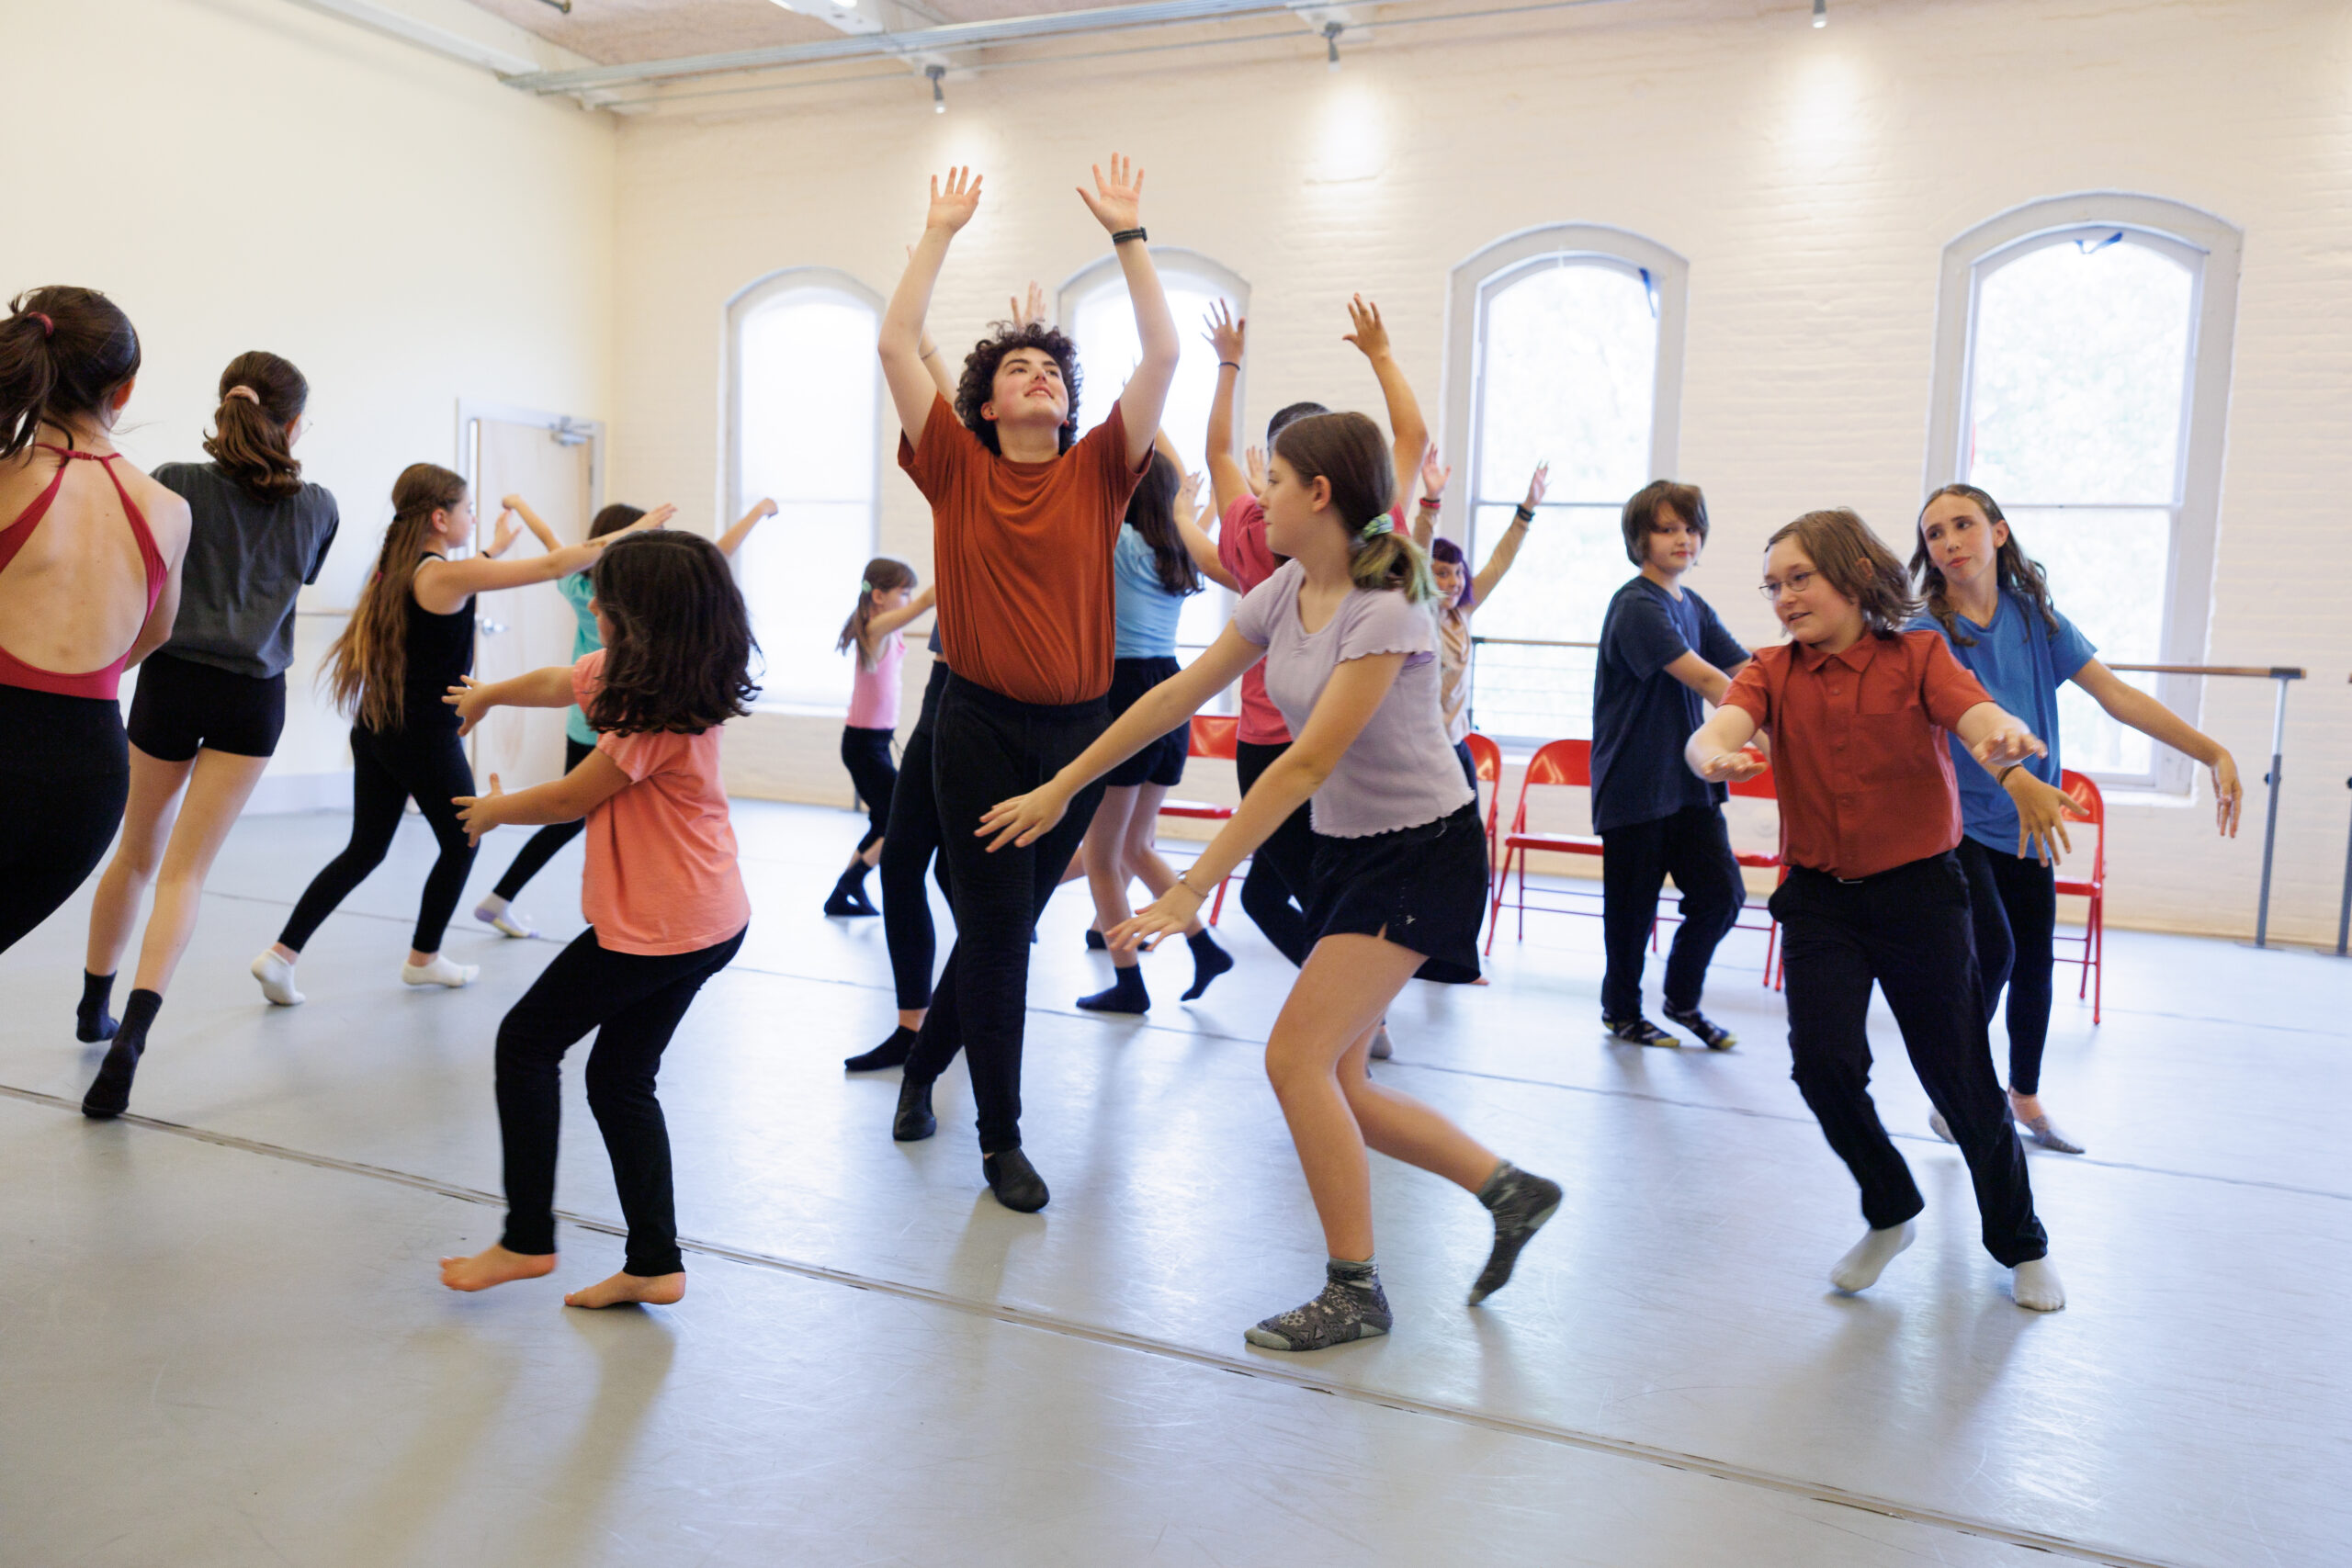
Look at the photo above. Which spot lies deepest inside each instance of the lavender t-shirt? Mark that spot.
(1400, 772)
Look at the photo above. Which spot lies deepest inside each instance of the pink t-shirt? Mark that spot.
(874, 694)
(661, 876)
(1242, 550)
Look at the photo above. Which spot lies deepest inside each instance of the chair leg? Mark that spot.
(2098, 956)
(1216, 905)
(1495, 887)
(1772, 946)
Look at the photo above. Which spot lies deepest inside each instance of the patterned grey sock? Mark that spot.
(1520, 1203)
(1352, 1306)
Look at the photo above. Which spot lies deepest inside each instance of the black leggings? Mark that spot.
(910, 847)
(387, 769)
(2014, 905)
(64, 776)
(1282, 873)
(634, 1003)
(991, 747)
(866, 754)
(533, 857)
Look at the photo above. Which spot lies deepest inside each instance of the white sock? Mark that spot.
(2033, 1284)
(440, 972)
(277, 978)
(1861, 1266)
(495, 911)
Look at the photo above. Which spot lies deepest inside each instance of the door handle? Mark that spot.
(492, 627)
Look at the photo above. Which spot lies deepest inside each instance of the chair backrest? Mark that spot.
(1213, 735)
(1486, 756)
(1561, 762)
(2085, 794)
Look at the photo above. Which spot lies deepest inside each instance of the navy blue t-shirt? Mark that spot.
(1642, 717)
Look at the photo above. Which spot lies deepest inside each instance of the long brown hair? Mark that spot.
(249, 439)
(63, 352)
(2017, 572)
(1348, 450)
(367, 667)
(884, 574)
(680, 658)
(1857, 563)
(1152, 512)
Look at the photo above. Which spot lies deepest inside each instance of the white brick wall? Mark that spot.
(1812, 179)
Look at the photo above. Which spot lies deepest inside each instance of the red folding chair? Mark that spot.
(1486, 761)
(1760, 788)
(2093, 950)
(1212, 737)
(1561, 763)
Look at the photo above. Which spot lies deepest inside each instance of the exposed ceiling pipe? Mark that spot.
(440, 40)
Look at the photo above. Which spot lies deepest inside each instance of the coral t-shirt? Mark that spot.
(1024, 553)
(661, 876)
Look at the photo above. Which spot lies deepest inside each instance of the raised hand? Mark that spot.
(479, 813)
(952, 207)
(511, 502)
(657, 518)
(1255, 459)
(503, 537)
(765, 508)
(1116, 202)
(1369, 334)
(1536, 484)
(1434, 476)
(1029, 311)
(1187, 494)
(1734, 767)
(1022, 820)
(1228, 333)
(466, 698)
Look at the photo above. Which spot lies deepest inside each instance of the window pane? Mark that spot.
(2079, 375)
(1568, 368)
(1104, 325)
(2107, 572)
(799, 572)
(1572, 562)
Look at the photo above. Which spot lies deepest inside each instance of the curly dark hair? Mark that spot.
(680, 658)
(978, 385)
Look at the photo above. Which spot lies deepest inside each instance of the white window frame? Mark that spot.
(1486, 273)
(732, 504)
(2211, 249)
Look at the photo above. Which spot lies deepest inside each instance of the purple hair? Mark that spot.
(1446, 550)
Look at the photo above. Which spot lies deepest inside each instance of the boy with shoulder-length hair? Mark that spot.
(1664, 658)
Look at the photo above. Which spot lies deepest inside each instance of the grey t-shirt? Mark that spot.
(1400, 772)
(246, 560)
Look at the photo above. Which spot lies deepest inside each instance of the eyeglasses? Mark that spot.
(1795, 582)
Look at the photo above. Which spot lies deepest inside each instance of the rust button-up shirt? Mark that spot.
(1864, 776)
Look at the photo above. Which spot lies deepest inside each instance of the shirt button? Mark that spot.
(1837, 691)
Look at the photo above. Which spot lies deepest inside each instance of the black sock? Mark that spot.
(110, 1092)
(891, 1052)
(1127, 994)
(1209, 961)
(848, 896)
(92, 1022)
(1094, 942)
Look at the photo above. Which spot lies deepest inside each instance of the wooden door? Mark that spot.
(520, 630)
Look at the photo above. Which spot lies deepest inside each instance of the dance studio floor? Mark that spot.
(223, 1340)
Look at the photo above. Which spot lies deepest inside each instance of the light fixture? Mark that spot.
(938, 98)
(1331, 31)
(1820, 13)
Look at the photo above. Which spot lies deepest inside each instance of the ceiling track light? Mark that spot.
(1820, 13)
(1331, 31)
(938, 98)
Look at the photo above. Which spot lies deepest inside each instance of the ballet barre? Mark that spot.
(2343, 915)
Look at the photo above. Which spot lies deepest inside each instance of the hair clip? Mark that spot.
(1384, 524)
(863, 586)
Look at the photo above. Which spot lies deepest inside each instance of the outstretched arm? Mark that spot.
(1117, 205)
(547, 688)
(1433, 477)
(531, 520)
(1406, 427)
(595, 781)
(1506, 549)
(1718, 750)
(2127, 704)
(1228, 335)
(733, 540)
(1197, 544)
(888, 621)
(913, 390)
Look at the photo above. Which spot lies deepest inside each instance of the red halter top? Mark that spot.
(100, 682)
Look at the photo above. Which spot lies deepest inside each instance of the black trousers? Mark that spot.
(1908, 930)
(540, 848)
(866, 754)
(634, 1003)
(908, 851)
(2014, 906)
(989, 746)
(1694, 846)
(65, 777)
(387, 771)
(1281, 881)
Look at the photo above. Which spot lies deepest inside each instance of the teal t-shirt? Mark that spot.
(577, 591)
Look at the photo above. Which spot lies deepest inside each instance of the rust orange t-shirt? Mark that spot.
(1024, 554)
(1862, 771)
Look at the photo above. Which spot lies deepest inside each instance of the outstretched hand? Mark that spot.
(1734, 767)
(951, 208)
(657, 518)
(2043, 811)
(1022, 820)
(1255, 459)
(1030, 309)
(502, 537)
(1370, 334)
(1116, 202)
(1434, 476)
(2009, 741)
(478, 814)
(1168, 916)
(1537, 483)
(1228, 333)
(764, 508)
(467, 697)
(1188, 494)
(2228, 795)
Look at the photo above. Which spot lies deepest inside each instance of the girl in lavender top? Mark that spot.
(1400, 873)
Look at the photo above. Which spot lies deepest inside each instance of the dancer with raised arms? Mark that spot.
(1024, 518)
(1399, 880)
(1858, 708)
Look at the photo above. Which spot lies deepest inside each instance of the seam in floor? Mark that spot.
(1251, 1367)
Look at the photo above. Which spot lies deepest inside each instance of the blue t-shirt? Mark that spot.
(1148, 612)
(578, 589)
(1642, 717)
(2021, 663)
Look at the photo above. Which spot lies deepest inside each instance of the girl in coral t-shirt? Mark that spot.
(664, 900)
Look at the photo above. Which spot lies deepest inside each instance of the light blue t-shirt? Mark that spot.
(578, 589)
(1148, 612)
(2021, 663)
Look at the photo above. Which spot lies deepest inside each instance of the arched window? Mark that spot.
(1564, 344)
(1095, 311)
(804, 426)
(2082, 379)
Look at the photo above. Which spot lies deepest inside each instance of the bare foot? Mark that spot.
(661, 1289)
(495, 1267)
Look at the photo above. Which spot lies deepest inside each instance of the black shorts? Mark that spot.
(181, 705)
(1424, 888)
(1162, 761)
